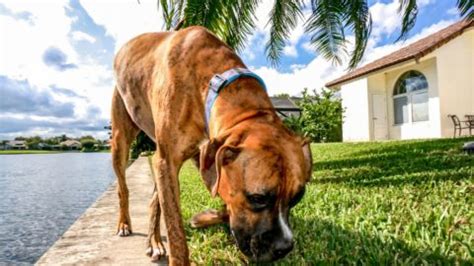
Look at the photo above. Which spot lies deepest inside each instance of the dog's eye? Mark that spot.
(258, 201)
(297, 198)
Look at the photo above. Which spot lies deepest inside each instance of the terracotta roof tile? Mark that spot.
(415, 50)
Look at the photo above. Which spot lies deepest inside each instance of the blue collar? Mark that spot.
(220, 81)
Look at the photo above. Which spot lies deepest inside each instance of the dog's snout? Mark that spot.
(282, 247)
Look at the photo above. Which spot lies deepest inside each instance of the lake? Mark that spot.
(42, 195)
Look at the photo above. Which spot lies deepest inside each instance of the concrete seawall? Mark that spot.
(92, 240)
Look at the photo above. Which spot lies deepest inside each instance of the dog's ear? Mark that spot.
(213, 156)
(225, 155)
(207, 163)
(308, 158)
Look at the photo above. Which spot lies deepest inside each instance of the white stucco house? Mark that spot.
(409, 93)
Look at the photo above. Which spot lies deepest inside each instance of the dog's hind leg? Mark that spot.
(156, 249)
(209, 217)
(124, 132)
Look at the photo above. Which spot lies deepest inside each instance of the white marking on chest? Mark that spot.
(287, 234)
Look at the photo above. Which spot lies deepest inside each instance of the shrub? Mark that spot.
(88, 145)
(294, 123)
(141, 144)
(321, 117)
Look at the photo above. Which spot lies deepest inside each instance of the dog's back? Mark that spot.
(158, 67)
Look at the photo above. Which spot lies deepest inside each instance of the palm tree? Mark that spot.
(329, 23)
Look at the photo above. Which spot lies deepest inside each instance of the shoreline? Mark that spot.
(92, 238)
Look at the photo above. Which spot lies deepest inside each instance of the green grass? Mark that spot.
(12, 152)
(400, 202)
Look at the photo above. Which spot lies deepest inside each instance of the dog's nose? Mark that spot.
(282, 247)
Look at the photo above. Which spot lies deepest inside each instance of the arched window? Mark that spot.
(410, 98)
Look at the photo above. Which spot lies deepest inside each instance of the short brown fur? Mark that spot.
(162, 83)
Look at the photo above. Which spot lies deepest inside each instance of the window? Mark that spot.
(410, 98)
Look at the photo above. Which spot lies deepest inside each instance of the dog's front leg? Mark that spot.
(166, 177)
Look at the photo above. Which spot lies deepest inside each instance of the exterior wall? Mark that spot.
(456, 79)
(422, 129)
(354, 96)
(449, 71)
(377, 86)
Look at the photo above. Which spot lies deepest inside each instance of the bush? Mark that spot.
(88, 145)
(141, 144)
(321, 117)
(295, 123)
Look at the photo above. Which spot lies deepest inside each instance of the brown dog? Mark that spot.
(248, 158)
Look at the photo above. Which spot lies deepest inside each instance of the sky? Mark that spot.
(56, 57)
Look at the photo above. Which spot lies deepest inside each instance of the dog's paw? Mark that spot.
(157, 253)
(124, 229)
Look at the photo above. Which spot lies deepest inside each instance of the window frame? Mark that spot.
(409, 96)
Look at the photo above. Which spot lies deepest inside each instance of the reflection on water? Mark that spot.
(42, 195)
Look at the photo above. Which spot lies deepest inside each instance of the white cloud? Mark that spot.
(21, 57)
(262, 14)
(24, 42)
(297, 66)
(308, 47)
(82, 36)
(319, 71)
(386, 18)
(313, 76)
(290, 50)
(374, 52)
(124, 19)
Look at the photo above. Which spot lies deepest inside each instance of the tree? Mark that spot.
(140, 144)
(329, 23)
(88, 144)
(321, 117)
(33, 142)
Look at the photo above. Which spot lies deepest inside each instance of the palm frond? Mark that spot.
(409, 9)
(283, 18)
(231, 20)
(326, 29)
(238, 21)
(359, 21)
(171, 12)
(466, 8)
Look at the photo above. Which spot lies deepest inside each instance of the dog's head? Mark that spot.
(260, 176)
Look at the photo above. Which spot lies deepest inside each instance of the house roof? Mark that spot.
(16, 142)
(70, 142)
(280, 102)
(415, 51)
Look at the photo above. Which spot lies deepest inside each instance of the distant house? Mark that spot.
(16, 145)
(44, 146)
(286, 106)
(410, 93)
(71, 144)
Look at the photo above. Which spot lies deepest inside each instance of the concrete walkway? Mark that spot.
(92, 240)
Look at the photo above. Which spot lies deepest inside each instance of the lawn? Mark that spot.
(400, 202)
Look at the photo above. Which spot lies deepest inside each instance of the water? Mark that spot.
(42, 195)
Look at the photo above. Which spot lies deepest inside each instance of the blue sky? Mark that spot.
(56, 57)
